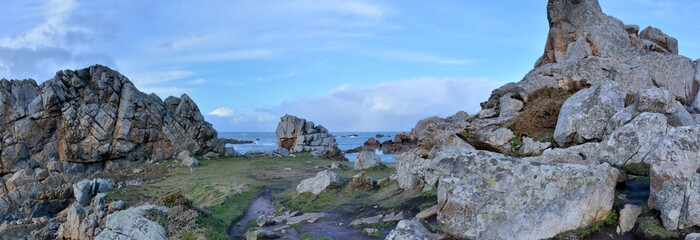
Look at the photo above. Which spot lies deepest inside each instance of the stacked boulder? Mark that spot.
(614, 97)
(298, 135)
(81, 122)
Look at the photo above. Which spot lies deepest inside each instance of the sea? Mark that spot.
(267, 141)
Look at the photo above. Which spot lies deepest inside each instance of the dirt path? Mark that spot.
(264, 204)
(336, 224)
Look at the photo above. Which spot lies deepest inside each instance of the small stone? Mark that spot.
(628, 216)
(369, 231)
(137, 171)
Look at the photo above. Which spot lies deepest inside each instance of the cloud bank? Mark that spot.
(389, 106)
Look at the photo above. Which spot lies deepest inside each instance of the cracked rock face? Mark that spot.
(84, 121)
(298, 135)
(486, 195)
(480, 192)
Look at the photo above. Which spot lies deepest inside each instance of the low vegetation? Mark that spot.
(539, 116)
(222, 188)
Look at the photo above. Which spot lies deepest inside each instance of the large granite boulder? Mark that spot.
(413, 229)
(323, 180)
(584, 115)
(486, 195)
(298, 135)
(132, 223)
(85, 121)
(632, 142)
(675, 178)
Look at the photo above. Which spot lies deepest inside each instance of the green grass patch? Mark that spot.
(308, 237)
(224, 187)
(426, 205)
(639, 169)
(516, 143)
(429, 193)
(596, 227)
(222, 215)
(651, 228)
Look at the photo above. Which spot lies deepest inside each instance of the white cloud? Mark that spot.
(222, 112)
(394, 105)
(56, 42)
(421, 57)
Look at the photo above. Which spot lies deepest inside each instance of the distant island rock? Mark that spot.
(298, 135)
(235, 141)
(402, 142)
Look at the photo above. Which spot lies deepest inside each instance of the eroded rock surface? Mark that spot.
(486, 195)
(81, 122)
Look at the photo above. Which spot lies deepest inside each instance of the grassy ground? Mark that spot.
(225, 186)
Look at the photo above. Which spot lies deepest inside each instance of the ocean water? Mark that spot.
(267, 141)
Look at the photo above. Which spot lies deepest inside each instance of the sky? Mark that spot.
(359, 65)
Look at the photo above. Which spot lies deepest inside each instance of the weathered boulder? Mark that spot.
(187, 159)
(632, 142)
(656, 100)
(360, 181)
(531, 147)
(680, 117)
(585, 114)
(298, 135)
(367, 159)
(658, 41)
(413, 229)
(323, 180)
(132, 224)
(674, 178)
(485, 195)
(86, 189)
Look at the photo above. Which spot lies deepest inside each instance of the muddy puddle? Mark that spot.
(334, 225)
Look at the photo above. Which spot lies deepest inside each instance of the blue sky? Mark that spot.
(348, 65)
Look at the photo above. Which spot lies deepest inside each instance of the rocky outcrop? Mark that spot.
(86, 189)
(675, 178)
(132, 223)
(485, 195)
(187, 159)
(323, 180)
(412, 229)
(84, 121)
(367, 159)
(432, 133)
(298, 135)
(360, 181)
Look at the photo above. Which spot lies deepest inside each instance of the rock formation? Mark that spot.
(367, 159)
(81, 122)
(323, 180)
(298, 135)
(612, 96)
